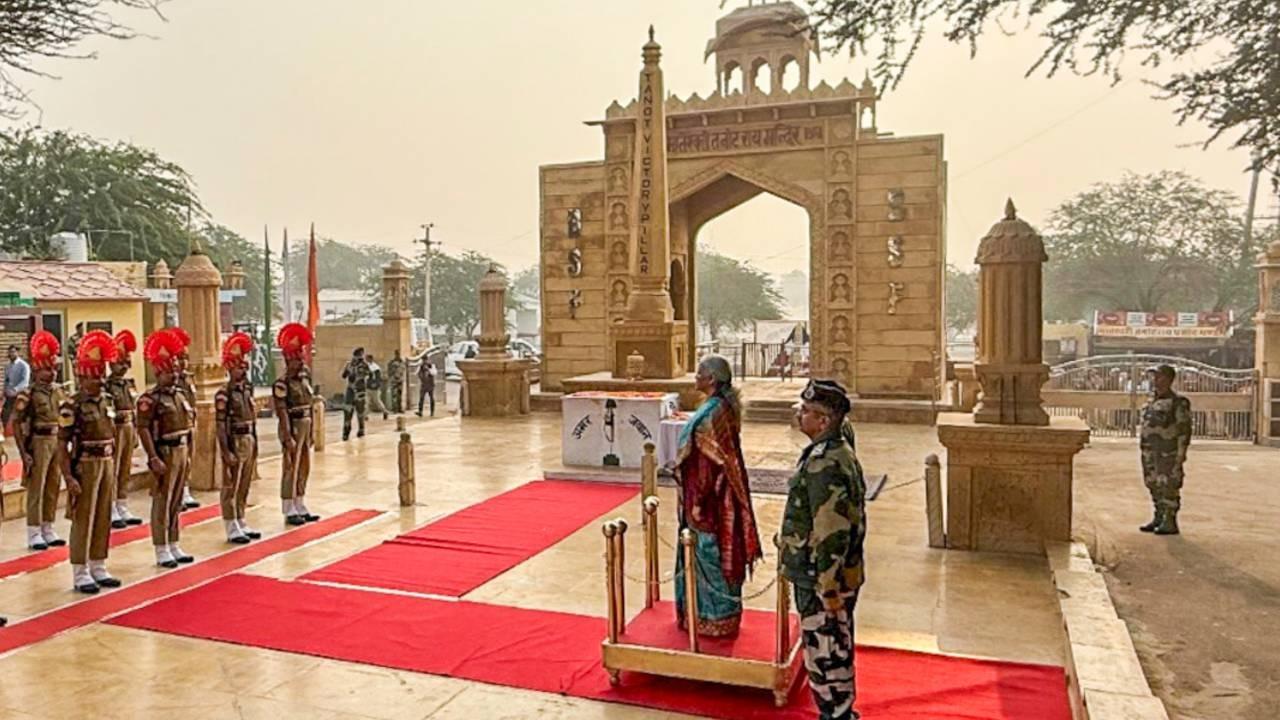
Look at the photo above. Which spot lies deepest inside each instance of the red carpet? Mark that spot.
(48, 558)
(458, 553)
(560, 653)
(111, 602)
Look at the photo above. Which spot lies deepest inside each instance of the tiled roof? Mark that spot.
(66, 281)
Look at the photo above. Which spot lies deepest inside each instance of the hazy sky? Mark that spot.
(370, 118)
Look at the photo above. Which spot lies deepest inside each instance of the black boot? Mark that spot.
(1155, 522)
(1168, 523)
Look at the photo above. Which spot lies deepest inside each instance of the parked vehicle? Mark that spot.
(467, 349)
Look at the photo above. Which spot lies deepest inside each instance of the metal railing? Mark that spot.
(754, 359)
(1109, 391)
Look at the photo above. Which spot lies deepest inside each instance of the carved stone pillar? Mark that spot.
(494, 384)
(1009, 364)
(1009, 466)
(1267, 322)
(198, 281)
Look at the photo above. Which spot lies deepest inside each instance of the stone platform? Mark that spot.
(606, 382)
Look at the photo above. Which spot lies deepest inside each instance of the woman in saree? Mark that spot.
(715, 502)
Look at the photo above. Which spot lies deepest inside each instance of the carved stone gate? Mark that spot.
(875, 205)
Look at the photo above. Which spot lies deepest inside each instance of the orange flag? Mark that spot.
(313, 285)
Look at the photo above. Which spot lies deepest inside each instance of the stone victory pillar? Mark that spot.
(648, 327)
(494, 384)
(1009, 465)
(1268, 345)
(198, 282)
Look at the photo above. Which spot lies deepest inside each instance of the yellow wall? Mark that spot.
(120, 313)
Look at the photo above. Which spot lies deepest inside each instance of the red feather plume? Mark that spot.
(95, 350)
(236, 350)
(44, 350)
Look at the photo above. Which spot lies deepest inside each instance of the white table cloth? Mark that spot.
(610, 429)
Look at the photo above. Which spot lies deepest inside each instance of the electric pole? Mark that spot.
(426, 284)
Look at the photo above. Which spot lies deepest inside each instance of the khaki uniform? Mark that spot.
(37, 410)
(88, 435)
(238, 436)
(293, 401)
(126, 406)
(188, 389)
(167, 415)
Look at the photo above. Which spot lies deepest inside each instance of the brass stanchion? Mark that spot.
(652, 581)
(783, 648)
(619, 572)
(690, 587)
(610, 563)
(648, 472)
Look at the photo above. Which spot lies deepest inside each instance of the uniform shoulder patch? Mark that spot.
(279, 390)
(146, 401)
(66, 414)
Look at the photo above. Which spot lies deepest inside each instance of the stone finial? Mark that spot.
(233, 278)
(1010, 364)
(161, 277)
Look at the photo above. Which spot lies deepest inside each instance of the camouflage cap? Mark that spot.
(827, 393)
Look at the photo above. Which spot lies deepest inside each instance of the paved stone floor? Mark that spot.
(969, 604)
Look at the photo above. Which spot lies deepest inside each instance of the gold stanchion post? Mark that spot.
(610, 563)
(619, 569)
(648, 472)
(690, 587)
(653, 592)
(783, 649)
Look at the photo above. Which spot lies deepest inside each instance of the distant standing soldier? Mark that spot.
(121, 390)
(377, 386)
(187, 385)
(35, 430)
(237, 420)
(293, 398)
(823, 529)
(1164, 439)
(86, 452)
(395, 377)
(426, 385)
(356, 372)
(164, 428)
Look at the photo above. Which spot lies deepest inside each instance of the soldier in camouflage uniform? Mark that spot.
(822, 536)
(395, 381)
(357, 374)
(1164, 439)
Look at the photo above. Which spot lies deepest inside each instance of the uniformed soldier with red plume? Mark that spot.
(86, 446)
(123, 394)
(236, 417)
(164, 426)
(292, 395)
(35, 429)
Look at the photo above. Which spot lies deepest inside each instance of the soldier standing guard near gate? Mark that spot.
(86, 449)
(237, 419)
(121, 390)
(164, 427)
(823, 529)
(293, 399)
(35, 430)
(1164, 439)
(188, 387)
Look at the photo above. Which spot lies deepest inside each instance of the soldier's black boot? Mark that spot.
(1168, 524)
(1155, 522)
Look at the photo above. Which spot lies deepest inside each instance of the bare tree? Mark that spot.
(32, 31)
(1225, 53)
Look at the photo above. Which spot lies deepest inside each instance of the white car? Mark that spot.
(470, 348)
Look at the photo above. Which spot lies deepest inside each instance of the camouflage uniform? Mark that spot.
(357, 375)
(822, 537)
(1163, 439)
(395, 382)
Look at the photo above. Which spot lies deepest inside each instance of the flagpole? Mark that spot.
(286, 289)
(268, 375)
(313, 285)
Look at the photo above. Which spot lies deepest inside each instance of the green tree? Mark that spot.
(1148, 243)
(36, 30)
(962, 298)
(129, 201)
(1223, 51)
(455, 290)
(339, 265)
(528, 282)
(732, 294)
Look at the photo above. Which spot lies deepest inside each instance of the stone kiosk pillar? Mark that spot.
(649, 328)
(1268, 345)
(198, 282)
(1009, 465)
(494, 384)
